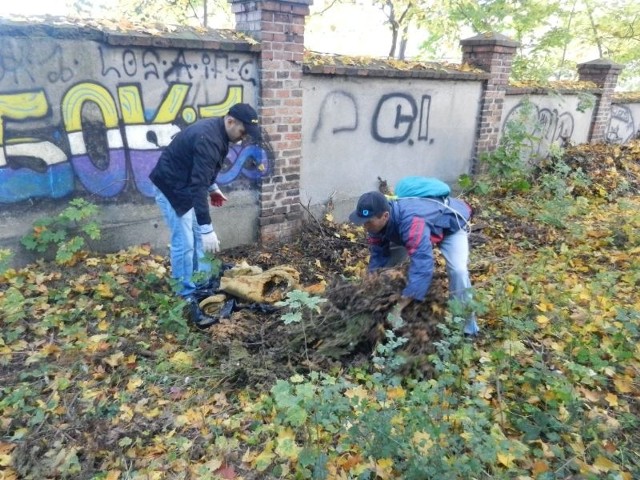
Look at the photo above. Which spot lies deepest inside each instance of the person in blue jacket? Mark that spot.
(417, 225)
(185, 177)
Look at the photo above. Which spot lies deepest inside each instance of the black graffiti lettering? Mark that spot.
(178, 64)
(150, 65)
(425, 110)
(394, 106)
(621, 125)
(64, 74)
(247, 72)
(218, 59)
(232, 71)
(339, 109)
(129, 63)
(104, 69)
(206, 61)
(543, 127)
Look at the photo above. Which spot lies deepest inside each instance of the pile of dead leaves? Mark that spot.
(609, 170)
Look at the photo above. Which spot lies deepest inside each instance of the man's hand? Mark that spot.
(210, 242)
(217, 199)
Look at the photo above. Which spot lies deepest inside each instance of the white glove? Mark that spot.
(210, 242)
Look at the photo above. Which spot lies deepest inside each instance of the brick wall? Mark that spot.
(279, 26)
(494, 54)
(604, 74)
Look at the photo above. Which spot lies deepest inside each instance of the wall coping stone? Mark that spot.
(490, 38)
(140, 35)
(601, 64)
(360, 66)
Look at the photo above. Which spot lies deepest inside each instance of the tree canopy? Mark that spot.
(554, 36)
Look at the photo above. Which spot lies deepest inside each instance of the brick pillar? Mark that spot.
(279, 26)
(494, 54)
(604, 74)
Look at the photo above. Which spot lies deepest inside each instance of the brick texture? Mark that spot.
(604, 74)
(494, 54)
(279, 26)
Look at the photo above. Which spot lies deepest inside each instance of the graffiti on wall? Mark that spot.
(100, 135)
(544, 127)
(395, 118)
(621, 125)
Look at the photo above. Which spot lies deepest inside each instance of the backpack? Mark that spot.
(421, 187)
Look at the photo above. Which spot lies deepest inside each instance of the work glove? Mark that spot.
(216, 197)
(210, 242)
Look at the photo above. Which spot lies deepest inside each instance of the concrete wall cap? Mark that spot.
(602, 64)
(490, 38)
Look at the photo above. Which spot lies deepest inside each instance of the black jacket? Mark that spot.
(190, 164)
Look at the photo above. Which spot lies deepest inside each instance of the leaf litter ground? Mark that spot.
(97, 375)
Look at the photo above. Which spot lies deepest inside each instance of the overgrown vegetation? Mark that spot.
(67, 234)
(101, 377)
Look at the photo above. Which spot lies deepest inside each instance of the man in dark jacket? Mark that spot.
(185, 178)
(417, 224)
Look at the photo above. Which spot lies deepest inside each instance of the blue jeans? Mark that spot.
(186, 254)
(455, 250)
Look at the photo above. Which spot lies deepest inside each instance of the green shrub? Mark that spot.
(66, 234)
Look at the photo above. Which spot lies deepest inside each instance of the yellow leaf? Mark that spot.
(115, 359)
(264, 459)
(103, 326)
(104, 290)
(134, 383)
(611, 399)
(544, 307)
(126, 413)
(356, 392)
(506, 459)
(623, 384)
(182, 359)
(603, 464)
(542, 320)
(395, 393)
(384, 468)
(50, 349)
(5, 460)
(286, 445)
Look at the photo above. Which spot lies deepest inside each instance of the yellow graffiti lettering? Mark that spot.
(133, 111)
(131, 104)
(234, 95)
(75, 99)
(172, 103)
(20, 106)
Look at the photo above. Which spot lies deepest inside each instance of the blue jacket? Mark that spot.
(417, 224)
(190, 164)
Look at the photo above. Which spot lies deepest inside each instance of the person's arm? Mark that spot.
(206, 156)
(417, 241)
(378, 254)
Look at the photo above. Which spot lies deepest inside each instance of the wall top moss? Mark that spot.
(113, 33)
